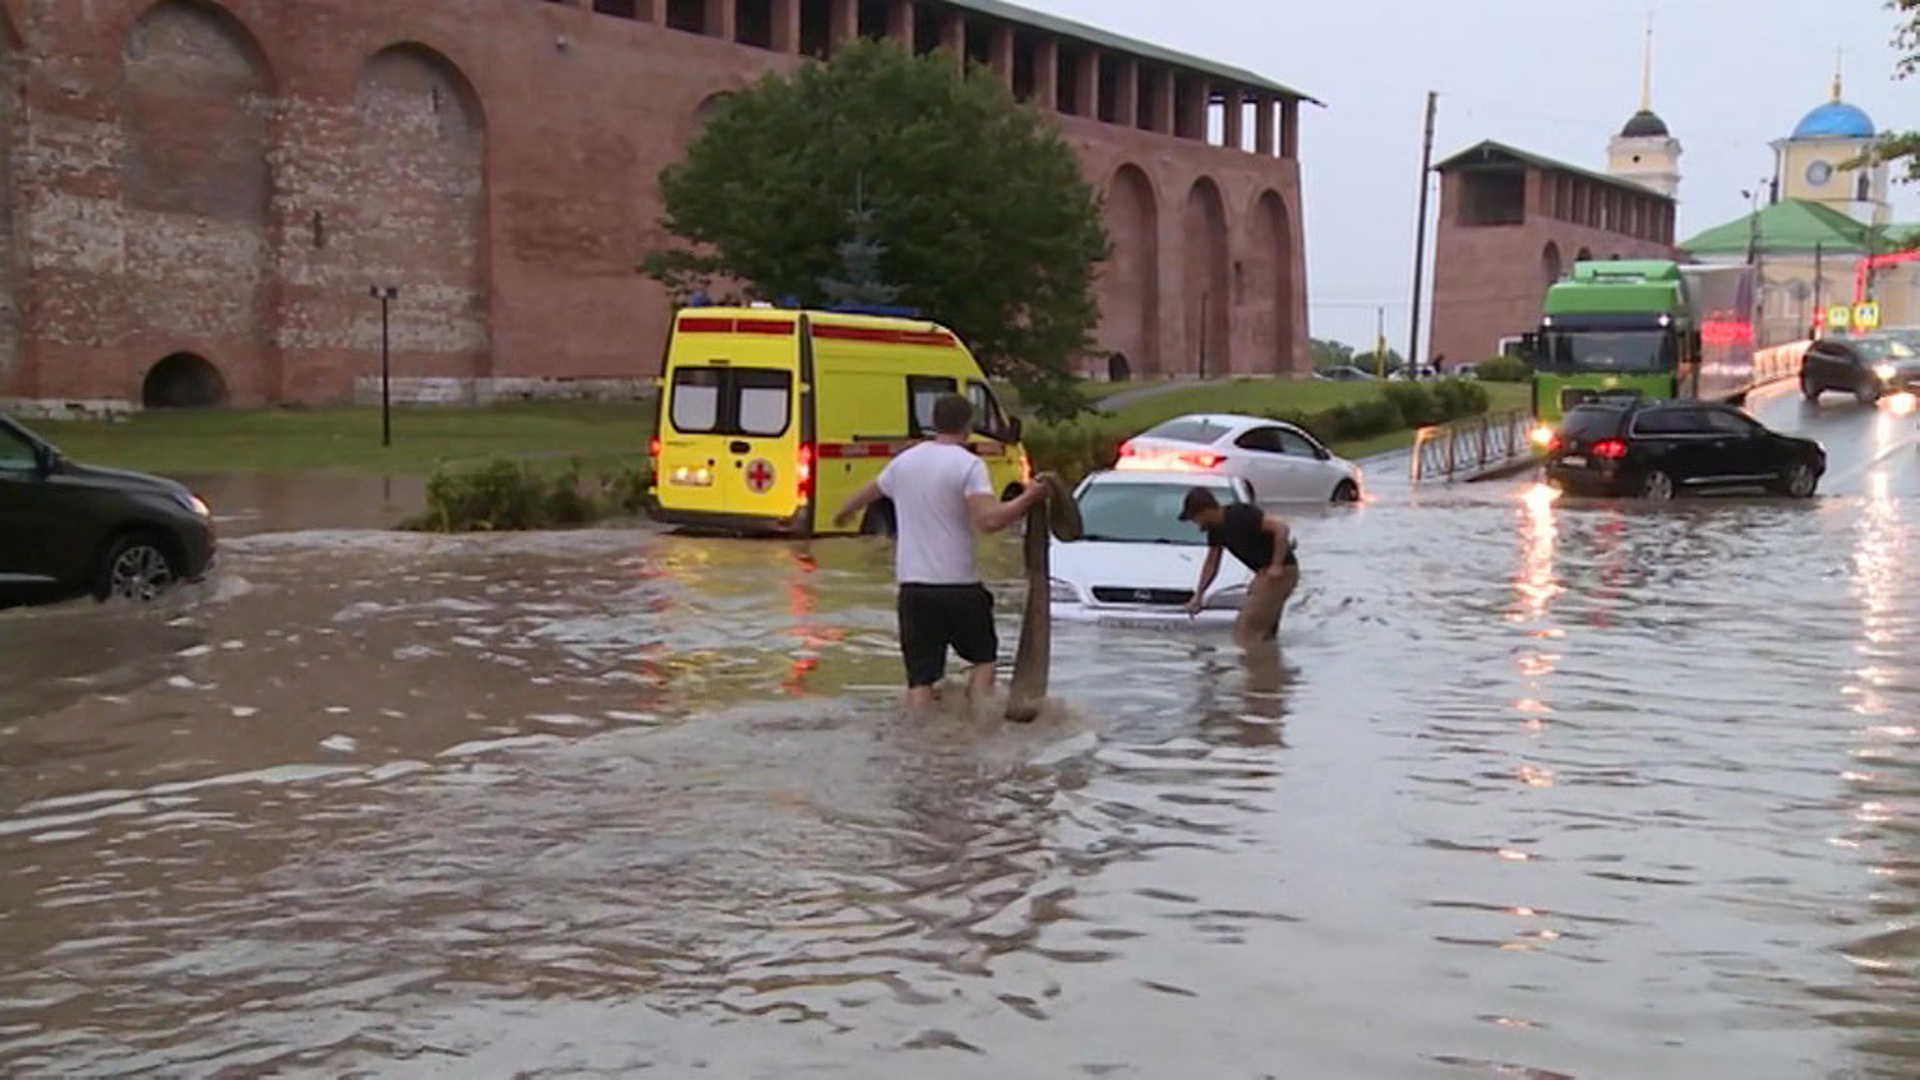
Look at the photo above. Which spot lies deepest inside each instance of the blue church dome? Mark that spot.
(1835, 120)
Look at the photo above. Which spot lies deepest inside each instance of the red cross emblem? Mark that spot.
(760, 476)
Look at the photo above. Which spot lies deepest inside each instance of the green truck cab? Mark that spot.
(1651, 328)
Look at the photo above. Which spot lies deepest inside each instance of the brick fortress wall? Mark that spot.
(205, 192)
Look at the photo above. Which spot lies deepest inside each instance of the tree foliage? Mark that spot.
(885, 172)
(1904, 145)
(1328, 354)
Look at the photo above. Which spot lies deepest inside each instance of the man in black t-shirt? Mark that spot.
(1258, 539)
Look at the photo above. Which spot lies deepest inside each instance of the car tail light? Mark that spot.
(1610, 449)
(1555, 444)
(804, 471)
(1127, 450)
(1204, 462)
(653, 452)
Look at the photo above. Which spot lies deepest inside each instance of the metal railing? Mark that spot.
(1468, 447)
(1779, 362)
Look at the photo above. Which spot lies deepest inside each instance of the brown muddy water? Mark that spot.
(1529, 789)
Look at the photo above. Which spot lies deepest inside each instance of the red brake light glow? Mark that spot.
(653, 448)
(805, 472)
(1132, 459)
(1610, 449)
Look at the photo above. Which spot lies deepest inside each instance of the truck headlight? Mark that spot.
(1060, 592)
(1227, 599)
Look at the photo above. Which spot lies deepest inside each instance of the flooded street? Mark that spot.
(1533, 788)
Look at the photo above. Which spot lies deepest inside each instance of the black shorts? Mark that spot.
(934, 618)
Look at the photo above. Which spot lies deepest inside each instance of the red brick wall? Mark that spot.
(228, 177)
(1490, 282)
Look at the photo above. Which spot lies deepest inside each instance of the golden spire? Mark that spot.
(1839, 56)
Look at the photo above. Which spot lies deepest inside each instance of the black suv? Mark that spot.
(67, 529)
(1660, 449)
(1868, 367)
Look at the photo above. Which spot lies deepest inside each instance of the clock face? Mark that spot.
(1819, 173)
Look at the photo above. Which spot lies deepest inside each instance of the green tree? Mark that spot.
(1905, 145)
(1328, 354)
(970, 206)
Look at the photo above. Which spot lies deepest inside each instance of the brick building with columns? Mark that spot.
(200, 193)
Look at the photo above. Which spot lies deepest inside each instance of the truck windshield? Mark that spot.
(1601, 351)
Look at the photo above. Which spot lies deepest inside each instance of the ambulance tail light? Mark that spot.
(803, 469)
(653, 453)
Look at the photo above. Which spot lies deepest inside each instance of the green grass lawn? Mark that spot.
(348, 438)
(602, 434)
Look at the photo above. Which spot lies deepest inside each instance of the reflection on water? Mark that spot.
(1554, 789)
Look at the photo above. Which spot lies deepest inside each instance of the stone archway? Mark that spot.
(704, 111)
(196, 181)
(1268, 297)
(1550, 264)
(1585, 255)
(183, 381)
(1206, 277)
(1119, 369)
(422, 200)
(1130, 279)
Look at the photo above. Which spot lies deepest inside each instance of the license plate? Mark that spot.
(1122, 622)
(1574, 462)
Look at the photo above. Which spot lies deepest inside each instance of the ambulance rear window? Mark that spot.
(696, 400)
(754, 402)
(762, 402)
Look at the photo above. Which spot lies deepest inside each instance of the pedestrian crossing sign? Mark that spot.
(1839, 317)
(1866, 316)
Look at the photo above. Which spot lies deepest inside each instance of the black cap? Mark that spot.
(1199, 501)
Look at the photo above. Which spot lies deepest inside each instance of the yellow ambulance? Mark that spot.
(770, 419)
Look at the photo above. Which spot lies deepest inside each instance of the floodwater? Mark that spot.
(1531, 788)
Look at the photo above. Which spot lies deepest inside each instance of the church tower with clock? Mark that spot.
(1808, 163)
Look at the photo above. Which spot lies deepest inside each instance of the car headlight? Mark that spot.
(1227, 599)
(195, 505)
(1060, 592)
(1886, 372)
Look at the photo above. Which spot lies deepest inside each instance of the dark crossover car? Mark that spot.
(68, 529)
(1660, 449)
(1869, 367)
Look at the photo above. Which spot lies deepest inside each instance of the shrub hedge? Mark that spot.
(503, 496)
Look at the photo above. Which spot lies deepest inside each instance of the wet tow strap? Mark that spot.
(1057, 516)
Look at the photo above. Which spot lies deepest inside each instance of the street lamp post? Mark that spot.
(386, 294)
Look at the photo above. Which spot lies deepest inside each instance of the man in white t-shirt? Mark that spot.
(941, 497)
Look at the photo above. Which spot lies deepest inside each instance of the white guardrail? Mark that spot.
(1466, 448)
(1472, 446)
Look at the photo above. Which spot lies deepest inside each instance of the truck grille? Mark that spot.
(1112, 594)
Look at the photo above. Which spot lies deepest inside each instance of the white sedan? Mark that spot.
(1138, 562)
(1283, 462)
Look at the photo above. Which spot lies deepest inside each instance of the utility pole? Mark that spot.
(1380, 342)
(386, 295)
(1420, 239)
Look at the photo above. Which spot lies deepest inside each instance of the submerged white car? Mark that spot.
(1284, 463)
(1138, 563)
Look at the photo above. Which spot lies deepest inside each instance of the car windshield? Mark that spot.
(1115, 510)
(1876, 349)
(1189, 429)
(1632, 351)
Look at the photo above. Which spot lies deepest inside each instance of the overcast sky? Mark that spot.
(1557, 77)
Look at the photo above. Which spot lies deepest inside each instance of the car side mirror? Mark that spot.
(46, 459)
(1014, 428)
(1323, 453)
